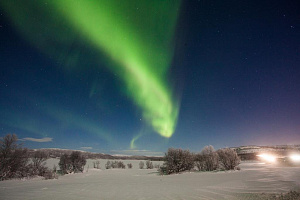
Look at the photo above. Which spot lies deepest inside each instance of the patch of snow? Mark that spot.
(253, 179)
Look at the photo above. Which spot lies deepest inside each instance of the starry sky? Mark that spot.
(136, 77)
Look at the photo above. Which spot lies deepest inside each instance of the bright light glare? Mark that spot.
(268, 158)
(295, 157)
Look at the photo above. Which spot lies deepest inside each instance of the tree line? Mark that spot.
(15, 161)
(178, 160)
(19, 162)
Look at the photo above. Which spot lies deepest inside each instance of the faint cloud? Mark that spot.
(86, 148)
(45, 139)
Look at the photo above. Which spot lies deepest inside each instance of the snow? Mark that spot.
(253, 179)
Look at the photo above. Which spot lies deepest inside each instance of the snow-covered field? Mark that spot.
(253, 179)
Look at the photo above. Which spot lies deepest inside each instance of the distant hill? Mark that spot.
(245, 152)
(56, 153)
(251, 152)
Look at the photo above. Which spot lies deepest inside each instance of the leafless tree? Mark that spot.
(65, 164)
(78, 161)
(38, 162)
(200, 162)
(13, 158)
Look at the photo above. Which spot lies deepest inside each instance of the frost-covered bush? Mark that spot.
(200, 162)
(65, 164)
(178, 160)
(207, 159)
(115, 164)
(78, 161)
(228, 158)
(149, 164)
(73, 163)
(121, 165)
(141, 165)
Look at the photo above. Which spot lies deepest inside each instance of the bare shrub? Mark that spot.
(129, 165)
(149, 164)
(178, 160)
(228, 158)
(38, 163)
(108, 165)
(163, 170)
(207, 160)
(50, 175)
(13, 158)
(121, 165)
(291, 195)
(54, 168)
(157, 166)
(141, 165)
(97, 164)
(73, 163)
(114, 164)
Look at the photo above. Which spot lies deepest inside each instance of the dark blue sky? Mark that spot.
(236, 71)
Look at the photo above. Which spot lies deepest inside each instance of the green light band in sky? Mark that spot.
(136, 34)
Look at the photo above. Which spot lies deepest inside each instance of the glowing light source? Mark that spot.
(267, 157)
(295, 157)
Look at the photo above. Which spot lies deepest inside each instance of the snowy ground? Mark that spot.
(253, 179)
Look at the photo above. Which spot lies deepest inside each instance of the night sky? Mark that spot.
(138, 77)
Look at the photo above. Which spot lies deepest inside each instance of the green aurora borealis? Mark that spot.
(133, 76)
(136, 36)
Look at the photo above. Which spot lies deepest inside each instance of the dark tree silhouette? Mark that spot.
(13, 158)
